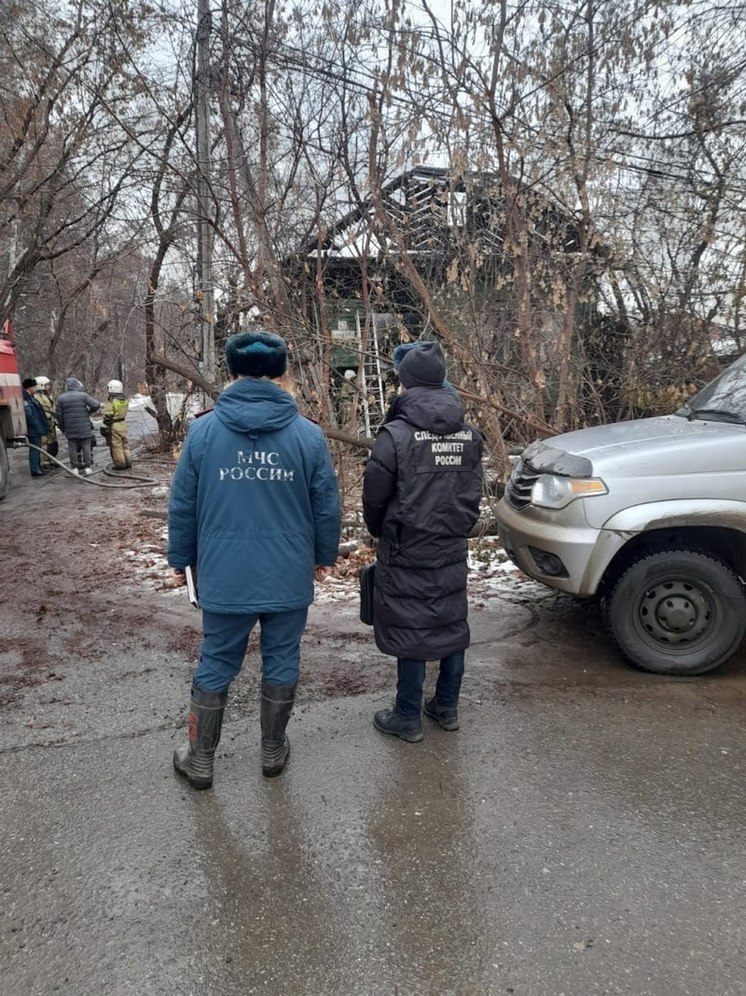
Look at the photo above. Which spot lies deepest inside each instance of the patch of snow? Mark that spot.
(491, 575)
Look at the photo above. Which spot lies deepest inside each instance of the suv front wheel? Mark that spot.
(678, 612)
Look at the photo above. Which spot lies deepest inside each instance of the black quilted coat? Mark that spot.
(73, 410)
(421, 495)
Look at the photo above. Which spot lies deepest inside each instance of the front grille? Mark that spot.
(520, 483)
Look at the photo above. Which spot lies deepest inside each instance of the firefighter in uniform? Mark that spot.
(49, 442)
(114, 429)
(347, 392)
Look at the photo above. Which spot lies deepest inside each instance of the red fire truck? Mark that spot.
(12, 419)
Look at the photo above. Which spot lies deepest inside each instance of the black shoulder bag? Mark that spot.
(367, 581)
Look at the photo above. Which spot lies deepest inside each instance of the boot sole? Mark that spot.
(196, 783)
(411, 737)
(275, 770)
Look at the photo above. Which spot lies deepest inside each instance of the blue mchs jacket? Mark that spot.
(36, 420)
(254, 502)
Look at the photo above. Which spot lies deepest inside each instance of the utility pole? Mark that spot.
(204, 230)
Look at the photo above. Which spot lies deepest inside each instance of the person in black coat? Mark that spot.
(421, 494)
(36, 425)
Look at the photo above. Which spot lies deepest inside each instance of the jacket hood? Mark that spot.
(255, 406)
(436, 409)
(73, 384)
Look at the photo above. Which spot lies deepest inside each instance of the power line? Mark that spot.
(662, 168)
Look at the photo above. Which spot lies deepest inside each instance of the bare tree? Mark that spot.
(64, 165)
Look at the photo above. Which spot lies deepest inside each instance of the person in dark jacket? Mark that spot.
(74, 408)
(36, 426)
(421, 494)
(254, 511)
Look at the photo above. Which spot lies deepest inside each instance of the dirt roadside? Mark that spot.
(83, 569)
(87, 603)
(579, 797)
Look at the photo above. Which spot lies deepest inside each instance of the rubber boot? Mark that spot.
(277, 704)
(194, 760)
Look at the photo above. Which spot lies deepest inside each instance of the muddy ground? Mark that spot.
(81, 564)
(583, 832)
(84, 578)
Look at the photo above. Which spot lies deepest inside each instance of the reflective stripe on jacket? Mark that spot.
(48, 406)
(115, 410)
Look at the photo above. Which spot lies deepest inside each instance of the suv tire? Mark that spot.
(678, 611)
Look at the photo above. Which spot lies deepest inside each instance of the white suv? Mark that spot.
(650, 516)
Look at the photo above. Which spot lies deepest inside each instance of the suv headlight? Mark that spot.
(554, 491)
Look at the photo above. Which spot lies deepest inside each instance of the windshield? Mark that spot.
(723, 399)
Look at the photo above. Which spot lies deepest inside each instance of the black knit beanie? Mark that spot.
(423, 366)
(256, 354)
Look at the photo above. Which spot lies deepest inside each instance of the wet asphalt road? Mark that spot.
(584, 832)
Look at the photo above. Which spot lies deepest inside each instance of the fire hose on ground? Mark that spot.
(109, 470)
(485, 527)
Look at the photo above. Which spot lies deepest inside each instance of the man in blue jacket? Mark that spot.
(254, 511)
(36, 425)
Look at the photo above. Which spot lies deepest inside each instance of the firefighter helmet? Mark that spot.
(115, 387)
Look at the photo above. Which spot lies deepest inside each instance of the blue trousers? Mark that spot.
(34, 456)
(411, 677)
(224, 640)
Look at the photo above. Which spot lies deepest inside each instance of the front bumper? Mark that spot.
(558, 548)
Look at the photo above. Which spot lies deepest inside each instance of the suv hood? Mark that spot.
(643, 447)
